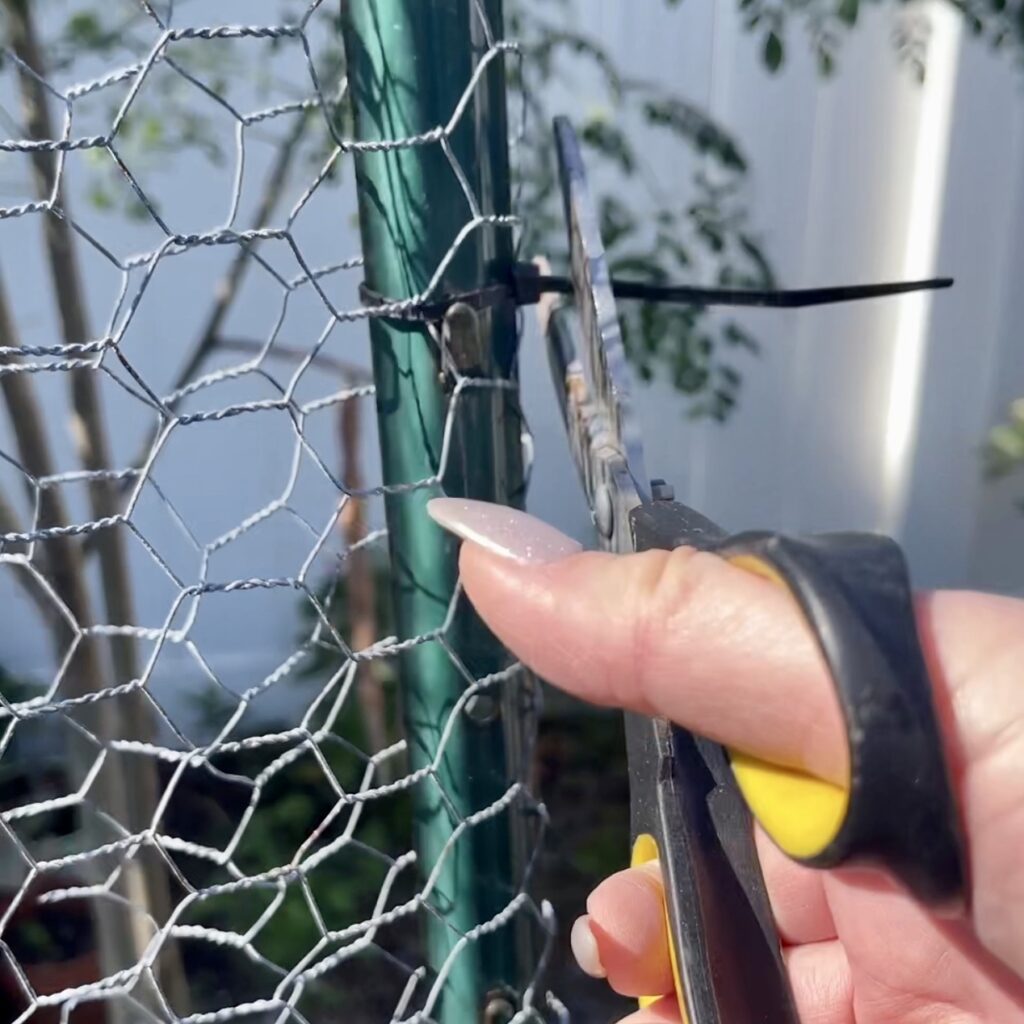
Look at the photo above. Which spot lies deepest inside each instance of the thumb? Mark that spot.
(681, 634)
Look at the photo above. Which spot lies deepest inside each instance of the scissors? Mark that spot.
(692, 802)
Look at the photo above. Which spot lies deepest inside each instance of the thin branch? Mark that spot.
(360, 582)
(62, 564)
(229, 286)
(9, 523)
(350, 373)
(84, 672)
(69, 295)
(135, 793)
(361, 586)
(228, 289)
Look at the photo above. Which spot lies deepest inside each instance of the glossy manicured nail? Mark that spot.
(584, 948)
(505, 531)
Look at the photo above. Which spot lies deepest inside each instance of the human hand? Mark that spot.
(726, 654)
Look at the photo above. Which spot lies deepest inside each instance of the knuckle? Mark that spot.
(666, 591)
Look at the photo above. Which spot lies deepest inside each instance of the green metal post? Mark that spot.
(410, 61)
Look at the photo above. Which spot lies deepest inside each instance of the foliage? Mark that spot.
(33, 768)
(825, 22)
(1004, 450)
(700, 231)
(178, 113)
(14, 688)
(703, 230)
(697, 230)
(297, 802)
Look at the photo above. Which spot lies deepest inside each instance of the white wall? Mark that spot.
(867, 415)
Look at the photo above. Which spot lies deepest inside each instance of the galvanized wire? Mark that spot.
(105, 866)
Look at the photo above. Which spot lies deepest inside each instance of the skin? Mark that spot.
(684, 635)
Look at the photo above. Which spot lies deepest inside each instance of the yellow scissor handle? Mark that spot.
(801, 812)
(897, 809)
(645, 850)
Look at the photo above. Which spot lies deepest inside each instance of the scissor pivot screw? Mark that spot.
(662, 491)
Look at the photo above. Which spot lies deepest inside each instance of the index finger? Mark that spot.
(681, 634)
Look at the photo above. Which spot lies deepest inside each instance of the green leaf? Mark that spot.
(737, 336)
(713, 236)
(1008, 441)
(1004, 451)
(617, 221)
(611, 142)
(847, 12)
(152, 132)
(773, 52)
(750, 248)
(694, 126)
(84, 29)
(99, 196)
(639, 266)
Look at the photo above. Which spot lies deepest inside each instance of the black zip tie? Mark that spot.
(527, 285)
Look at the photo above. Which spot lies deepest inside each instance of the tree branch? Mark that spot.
(62, 563)
(361, 586)
(360, 582)
(9, 523)
(227, 289)
(69, 294)
(84, 672)
(349, 372)
(135, 793)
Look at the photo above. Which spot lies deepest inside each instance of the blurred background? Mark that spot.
(751, 143)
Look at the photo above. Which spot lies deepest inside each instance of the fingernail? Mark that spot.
(584, 948)
(504, 531)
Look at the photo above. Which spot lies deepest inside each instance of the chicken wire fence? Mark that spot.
(208, 797)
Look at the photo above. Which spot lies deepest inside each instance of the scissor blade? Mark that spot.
(603, 355)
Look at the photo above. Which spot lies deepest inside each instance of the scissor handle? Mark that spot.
(897, 810)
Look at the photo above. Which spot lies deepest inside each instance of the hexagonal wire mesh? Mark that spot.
(205, 794)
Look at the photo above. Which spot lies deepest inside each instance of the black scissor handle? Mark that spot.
(689, 796)
(686, 811)
(897, 811)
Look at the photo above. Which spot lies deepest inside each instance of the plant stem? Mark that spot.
(350, 373)
(119, 943)
(228, 287)
(361, 587)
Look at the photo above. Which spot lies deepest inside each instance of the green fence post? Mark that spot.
(410, 62)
